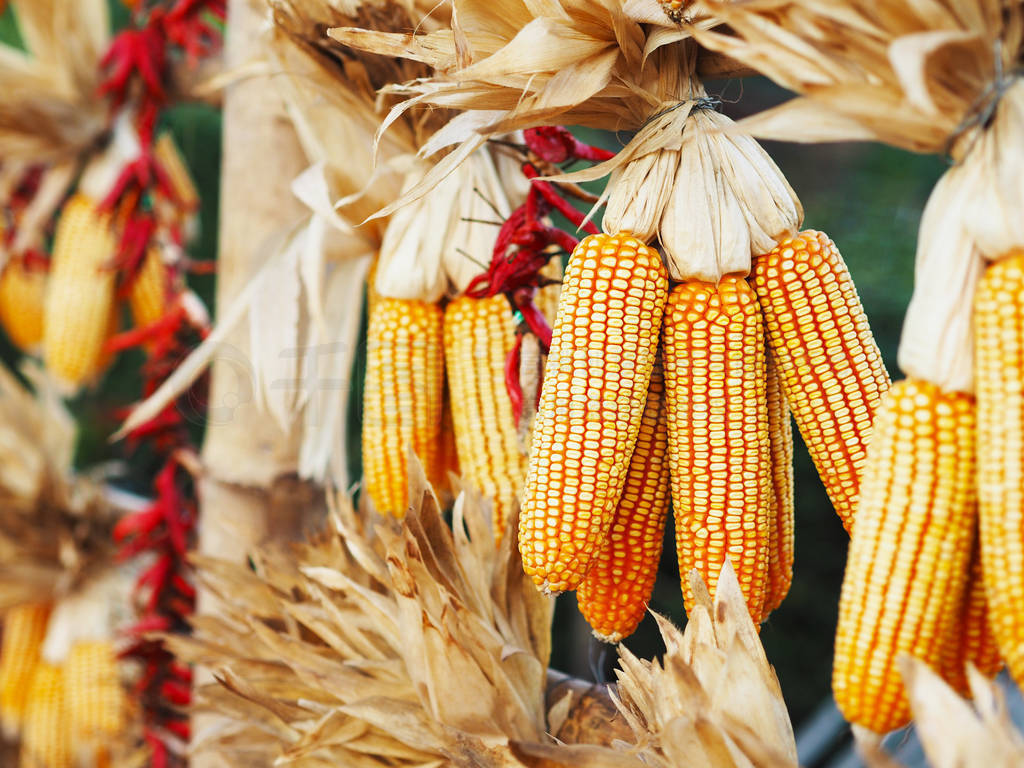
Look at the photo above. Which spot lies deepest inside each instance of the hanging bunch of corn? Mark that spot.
(912, 584)
(714, 202)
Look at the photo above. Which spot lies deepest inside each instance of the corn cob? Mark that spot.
(402, 397)
(95, 698)
(972, 640)
(614, 595)
(999, 362)
(173, 164)
(718, 438)
(478, 334)
(22, 298)
(447, 453)
(80, 297)
(907, 566)
(45, 738)
(547, 296)
(149, 290)
(832, 371)
(592, 400)
(24, 630)
(780, 517)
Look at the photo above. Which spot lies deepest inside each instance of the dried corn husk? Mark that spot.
(48, 106)
(412, 641)
(938, 77)
(55, 528)
(684, 165)
(415, 643)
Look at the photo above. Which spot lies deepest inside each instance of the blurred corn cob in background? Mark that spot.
(22, 301)
(402, 397)
(80, 296)
(24, 630)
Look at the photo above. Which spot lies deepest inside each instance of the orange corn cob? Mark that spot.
(45, 738)
(718, 438)
(24, 630)
(22, 299)
(592, 400)
(614, 595)
(80, 297)
(832, 371)
(402, 397)
(780, 518)
(478, 334)
(149, 291)
(999, 365)
(96, 702)
(909, 554)
(972, 640)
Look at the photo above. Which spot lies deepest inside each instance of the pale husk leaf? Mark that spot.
(937, 341)
(415, 642)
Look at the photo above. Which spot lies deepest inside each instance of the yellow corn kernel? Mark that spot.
(80, 297)
(780, 518)
(972, 640)
(22, 299)
(909, 553)
(169, 156)
(614, 595)
(24, 630)
(998, 367)
(402, 397)
(718, 438)
(96, 701)
(832, 371)
(149, 292)
(592, 400)
(45, 739)
(478, 335)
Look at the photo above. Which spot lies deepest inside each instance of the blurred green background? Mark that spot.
(868, 198)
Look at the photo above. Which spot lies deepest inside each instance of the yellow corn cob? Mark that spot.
(149, 291)
(909, 554)
(972, 640)
(718, 438)
(780, 518)
(80, 297)
(832, 371)
(547, 297)
(592, 400)
(614, 595)
(447, 454)
(22, 298)
(45, 737)
(402, 398)
(478, 335)
(173, 164)
(999, 365)
(24, 629)
(95, 698)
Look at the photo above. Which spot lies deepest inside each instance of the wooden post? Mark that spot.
(248, 491)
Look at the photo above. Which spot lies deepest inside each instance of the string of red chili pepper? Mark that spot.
(166, 531)
(137, 69)
(526, 242)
